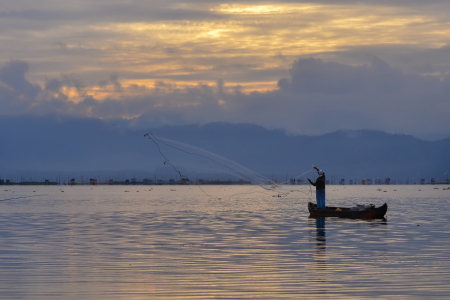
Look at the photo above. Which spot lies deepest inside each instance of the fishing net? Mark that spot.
(188, 164)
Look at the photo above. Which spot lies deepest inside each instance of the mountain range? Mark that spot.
(48, 146)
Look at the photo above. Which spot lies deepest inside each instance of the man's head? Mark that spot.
(321, 173)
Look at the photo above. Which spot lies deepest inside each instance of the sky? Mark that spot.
(308, 67)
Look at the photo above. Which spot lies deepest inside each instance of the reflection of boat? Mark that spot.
(365, 212)
(320, 245)
(320, 232)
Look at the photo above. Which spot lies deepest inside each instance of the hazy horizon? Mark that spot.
(45, 148)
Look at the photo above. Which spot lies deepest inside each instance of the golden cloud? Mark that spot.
(242, 46)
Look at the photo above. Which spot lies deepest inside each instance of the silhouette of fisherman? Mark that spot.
(320, 188)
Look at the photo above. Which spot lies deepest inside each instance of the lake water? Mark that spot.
(175, 242)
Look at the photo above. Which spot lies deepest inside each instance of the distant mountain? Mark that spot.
(33, 145)
(343, 153)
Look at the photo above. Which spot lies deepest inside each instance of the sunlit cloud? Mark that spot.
(173, 48)
(278, 8)
(121, 59)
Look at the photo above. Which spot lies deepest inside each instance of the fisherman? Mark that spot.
(320, 188)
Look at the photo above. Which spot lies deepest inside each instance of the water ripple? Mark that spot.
(104, 243)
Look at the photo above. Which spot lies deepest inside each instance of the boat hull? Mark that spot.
(345, 212)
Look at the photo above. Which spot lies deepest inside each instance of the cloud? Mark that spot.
(410, 58)
(316, 76)
(244, 43)
(17, 94)
(13, 76)
(307, 66)
(318, 97)
(110, 11)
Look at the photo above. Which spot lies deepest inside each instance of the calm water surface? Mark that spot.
(134, 242)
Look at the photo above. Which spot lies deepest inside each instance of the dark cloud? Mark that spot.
(316, 76)
(378, 96)
(416, 59)
(53, 85)
(17, 94)
(318, 97)
(13, 75)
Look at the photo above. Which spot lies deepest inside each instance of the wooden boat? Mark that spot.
(362, 211)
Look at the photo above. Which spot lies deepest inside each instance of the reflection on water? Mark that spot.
(91, 243)
(320, 253)
(321, 242)
(320, 234)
